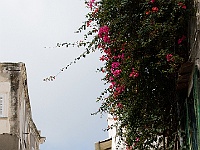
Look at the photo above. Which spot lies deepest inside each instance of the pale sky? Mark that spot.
(60, 109)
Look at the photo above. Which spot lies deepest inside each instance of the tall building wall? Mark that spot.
(16, 124)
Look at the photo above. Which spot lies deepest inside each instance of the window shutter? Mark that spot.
(1, 105)
(197, 104)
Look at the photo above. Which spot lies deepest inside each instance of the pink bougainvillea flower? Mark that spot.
(182, 5)
(103, 34)
(107, 51)
(181, 39)
(88, 23)
(137, 139)
(119, 89)
(154, 9)
(115, 118)
(116, 73)
(115, 57)
(115, 94)
(103, 31)
(134, 73)
(152, 1)
(115, 65)
(113, 83)
(129, 147)
(119, 56)
(99, 46)
(95, 11)
(111, 78)
(169, 57)
(90, 4)
(103, 70)
(131, 74)
(119, 105)
(122, 56)
(147, 12)
(102, 58)
(106, 39)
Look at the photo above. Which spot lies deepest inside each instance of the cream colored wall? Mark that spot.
(4, 121)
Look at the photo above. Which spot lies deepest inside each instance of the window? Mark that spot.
(1, 105)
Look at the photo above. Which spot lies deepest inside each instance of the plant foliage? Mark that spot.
(143, 43)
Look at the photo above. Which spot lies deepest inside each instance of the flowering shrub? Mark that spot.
(143, 43)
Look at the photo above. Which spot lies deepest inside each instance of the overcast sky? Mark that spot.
(60, 109)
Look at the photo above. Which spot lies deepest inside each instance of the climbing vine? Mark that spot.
(143, 43)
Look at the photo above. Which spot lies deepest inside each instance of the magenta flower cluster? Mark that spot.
(118, 90)
(116, 73)
(116, 62)
(115, 65)
(104, 34)
(91, 3)
(115, 69)
(169, 57)
(134, 73)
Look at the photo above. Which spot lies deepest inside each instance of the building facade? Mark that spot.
(114, 141)
(190, 75)
(17, 129)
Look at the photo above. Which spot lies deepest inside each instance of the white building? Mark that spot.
(113, 141)
(17, 129)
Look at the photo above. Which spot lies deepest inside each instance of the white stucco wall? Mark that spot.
(112, 133)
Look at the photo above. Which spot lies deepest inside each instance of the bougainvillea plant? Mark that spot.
(143, 43)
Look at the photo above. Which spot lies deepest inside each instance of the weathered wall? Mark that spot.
(9, 142)
(4, 95)
(194, 31)
(17, 118)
